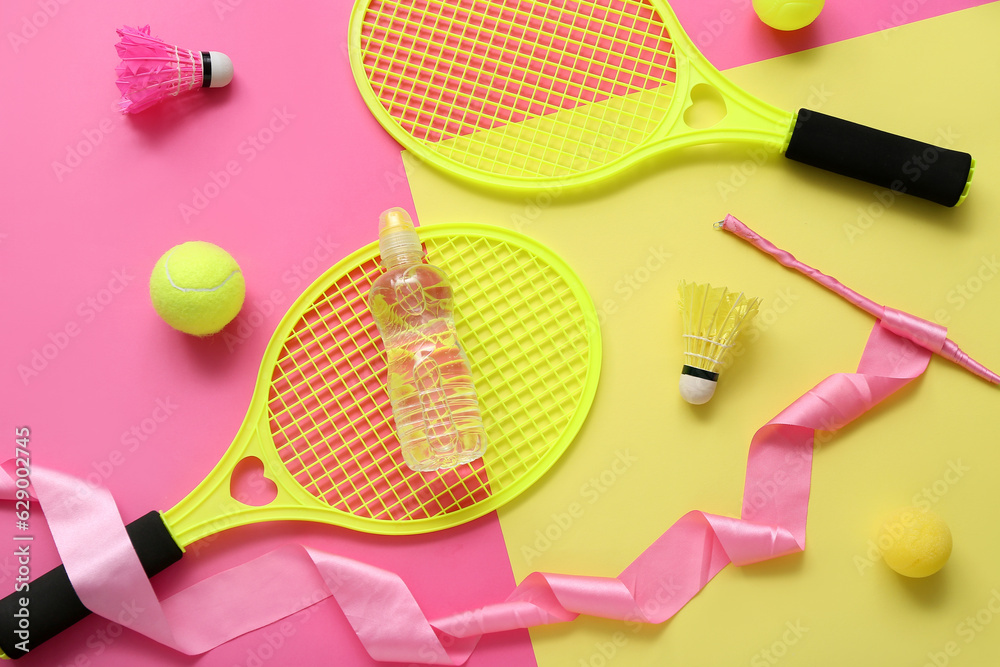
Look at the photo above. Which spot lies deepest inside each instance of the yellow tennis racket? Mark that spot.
(542, 93)
(320, 423)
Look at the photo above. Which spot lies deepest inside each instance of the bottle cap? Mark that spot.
(396, 234)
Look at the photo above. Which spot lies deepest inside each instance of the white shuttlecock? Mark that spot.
(152, 70)
(713, 319)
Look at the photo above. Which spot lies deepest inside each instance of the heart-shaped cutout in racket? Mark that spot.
(707, 108)
(250, 486)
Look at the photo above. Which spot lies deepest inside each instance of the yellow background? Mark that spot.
(929, 80)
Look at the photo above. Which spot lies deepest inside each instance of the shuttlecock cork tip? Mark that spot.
(697, 390)
(218, 69)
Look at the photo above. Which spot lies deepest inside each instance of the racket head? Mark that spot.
(320, 418)
(515, 92)
(542, 93)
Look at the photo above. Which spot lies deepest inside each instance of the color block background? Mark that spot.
(287, 170)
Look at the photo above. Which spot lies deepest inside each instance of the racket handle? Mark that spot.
(53, 605)
(886, 160)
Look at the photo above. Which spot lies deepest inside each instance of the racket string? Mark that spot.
(330, 418)
(410, 114)
(579, 148)
(360, 482)
(551, 310)
(443, 89)
(407, 63)
(432, 111)
(564, 140)
(613, 51)
(329, 412)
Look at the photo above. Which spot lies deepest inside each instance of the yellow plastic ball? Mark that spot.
(788, 14)
(915, 543)
(197, 288)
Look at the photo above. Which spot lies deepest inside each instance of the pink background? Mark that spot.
(91, 199)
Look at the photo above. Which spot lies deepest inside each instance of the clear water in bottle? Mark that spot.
(434, 402)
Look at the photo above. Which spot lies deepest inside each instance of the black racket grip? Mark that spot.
(54, 606)
(886, 160)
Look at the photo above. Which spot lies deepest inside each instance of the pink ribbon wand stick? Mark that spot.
(926, 334)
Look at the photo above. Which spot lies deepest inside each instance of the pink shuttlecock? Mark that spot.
(152, 70)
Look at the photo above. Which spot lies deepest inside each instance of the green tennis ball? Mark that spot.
(197, 288)
(788, 14)
(915, 543)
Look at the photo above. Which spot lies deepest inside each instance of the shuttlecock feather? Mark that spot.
(713, 318)
(152, 70)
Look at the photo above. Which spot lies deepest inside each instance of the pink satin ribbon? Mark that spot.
(382, 610)
(926, 334)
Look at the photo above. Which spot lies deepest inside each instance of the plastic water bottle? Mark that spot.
(434, 401)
